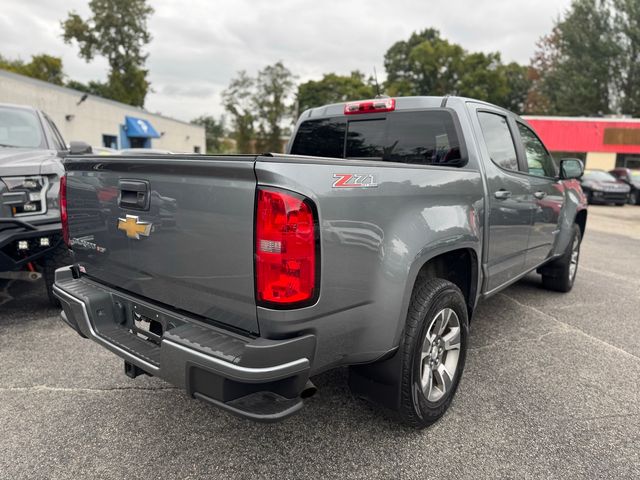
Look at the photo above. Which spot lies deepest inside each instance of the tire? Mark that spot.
(589, 196)
(560, 275)
(634, 198)
(620, 204)
(434, 302)
(59, 257)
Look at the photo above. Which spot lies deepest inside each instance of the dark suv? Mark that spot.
(632, 178)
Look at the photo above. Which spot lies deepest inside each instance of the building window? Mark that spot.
(110, 141)
(196, 149)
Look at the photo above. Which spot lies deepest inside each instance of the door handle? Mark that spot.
(502, 194)
(134, 194)
(540, 195)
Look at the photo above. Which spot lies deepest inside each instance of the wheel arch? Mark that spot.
(461, 266)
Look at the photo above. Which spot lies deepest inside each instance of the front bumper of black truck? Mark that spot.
(260, 379)
(15, 234)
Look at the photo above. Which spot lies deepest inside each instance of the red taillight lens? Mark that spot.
(285, 248)
(370, 106)
(62, 201)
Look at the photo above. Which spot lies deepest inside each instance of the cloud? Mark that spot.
(198, 45)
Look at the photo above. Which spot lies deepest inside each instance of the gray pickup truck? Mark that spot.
(31, 243)
(368, 245)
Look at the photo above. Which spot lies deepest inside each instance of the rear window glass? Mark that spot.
(427, 138)
(320, 138)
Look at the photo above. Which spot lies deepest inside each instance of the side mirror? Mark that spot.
(80, 148)
(571, 168)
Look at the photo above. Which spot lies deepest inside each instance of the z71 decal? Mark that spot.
(354, 180)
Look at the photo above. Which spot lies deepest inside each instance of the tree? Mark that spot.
(214, 132)
(334, 88)
(273, 90)
(43, 67)
(577, 63)
(237, 100)
(427, 64)
(627, 31)
(116, 30)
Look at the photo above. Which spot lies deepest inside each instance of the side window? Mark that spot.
(55, 133)
(539, 161)
(498, 139)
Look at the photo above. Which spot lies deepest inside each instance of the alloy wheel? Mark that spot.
(440, 354)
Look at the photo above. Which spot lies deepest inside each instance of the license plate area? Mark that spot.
(147, 324)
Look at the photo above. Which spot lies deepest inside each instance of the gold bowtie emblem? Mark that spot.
(133, 227)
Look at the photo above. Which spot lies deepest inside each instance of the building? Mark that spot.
(101, 122)
(602, 143)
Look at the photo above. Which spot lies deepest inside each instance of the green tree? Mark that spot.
(577, 63)
(427, 64)
(214, 132)
(116, 30)
(237, 100)
(627, 28)
(334, 88)
(43, 67)
(272, 99)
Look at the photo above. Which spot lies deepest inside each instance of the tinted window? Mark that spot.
(498, 139)
(366, 139)
(20, 128)
(539, 161)
(320, 138)
(427, 138)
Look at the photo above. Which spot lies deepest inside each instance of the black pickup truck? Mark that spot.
(31, 244)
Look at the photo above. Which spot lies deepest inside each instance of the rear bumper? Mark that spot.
(251, 377)
(13, 259)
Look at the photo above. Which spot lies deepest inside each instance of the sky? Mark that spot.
(199, 45)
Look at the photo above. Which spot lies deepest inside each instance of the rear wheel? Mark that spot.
(433, 350)
(561, 273)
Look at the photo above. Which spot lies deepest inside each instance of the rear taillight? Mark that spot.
(62, 201)
(286, 249)
(370, 106)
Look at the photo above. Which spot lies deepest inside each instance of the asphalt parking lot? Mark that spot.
(551, 389)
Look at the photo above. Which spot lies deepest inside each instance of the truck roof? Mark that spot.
(402, 103)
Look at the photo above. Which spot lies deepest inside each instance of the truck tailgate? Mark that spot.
(177, 230)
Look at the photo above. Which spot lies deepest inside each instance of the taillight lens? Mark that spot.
(62, 201)
(370, 106)
(286, 250)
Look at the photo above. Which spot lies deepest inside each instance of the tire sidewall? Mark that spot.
(448, 297)
(576, 233)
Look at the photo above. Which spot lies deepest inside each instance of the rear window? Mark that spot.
(425, 138)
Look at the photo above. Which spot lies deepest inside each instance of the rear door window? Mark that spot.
(424, 138)
(498, 139)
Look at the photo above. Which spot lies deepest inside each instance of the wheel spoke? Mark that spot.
(443, 378)
(426, 381)
(447, 313)
(438, 326)
(452, 339)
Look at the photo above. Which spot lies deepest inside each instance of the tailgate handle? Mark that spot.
(134, 194)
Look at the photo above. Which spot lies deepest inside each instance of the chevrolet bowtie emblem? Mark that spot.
(133, 227)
